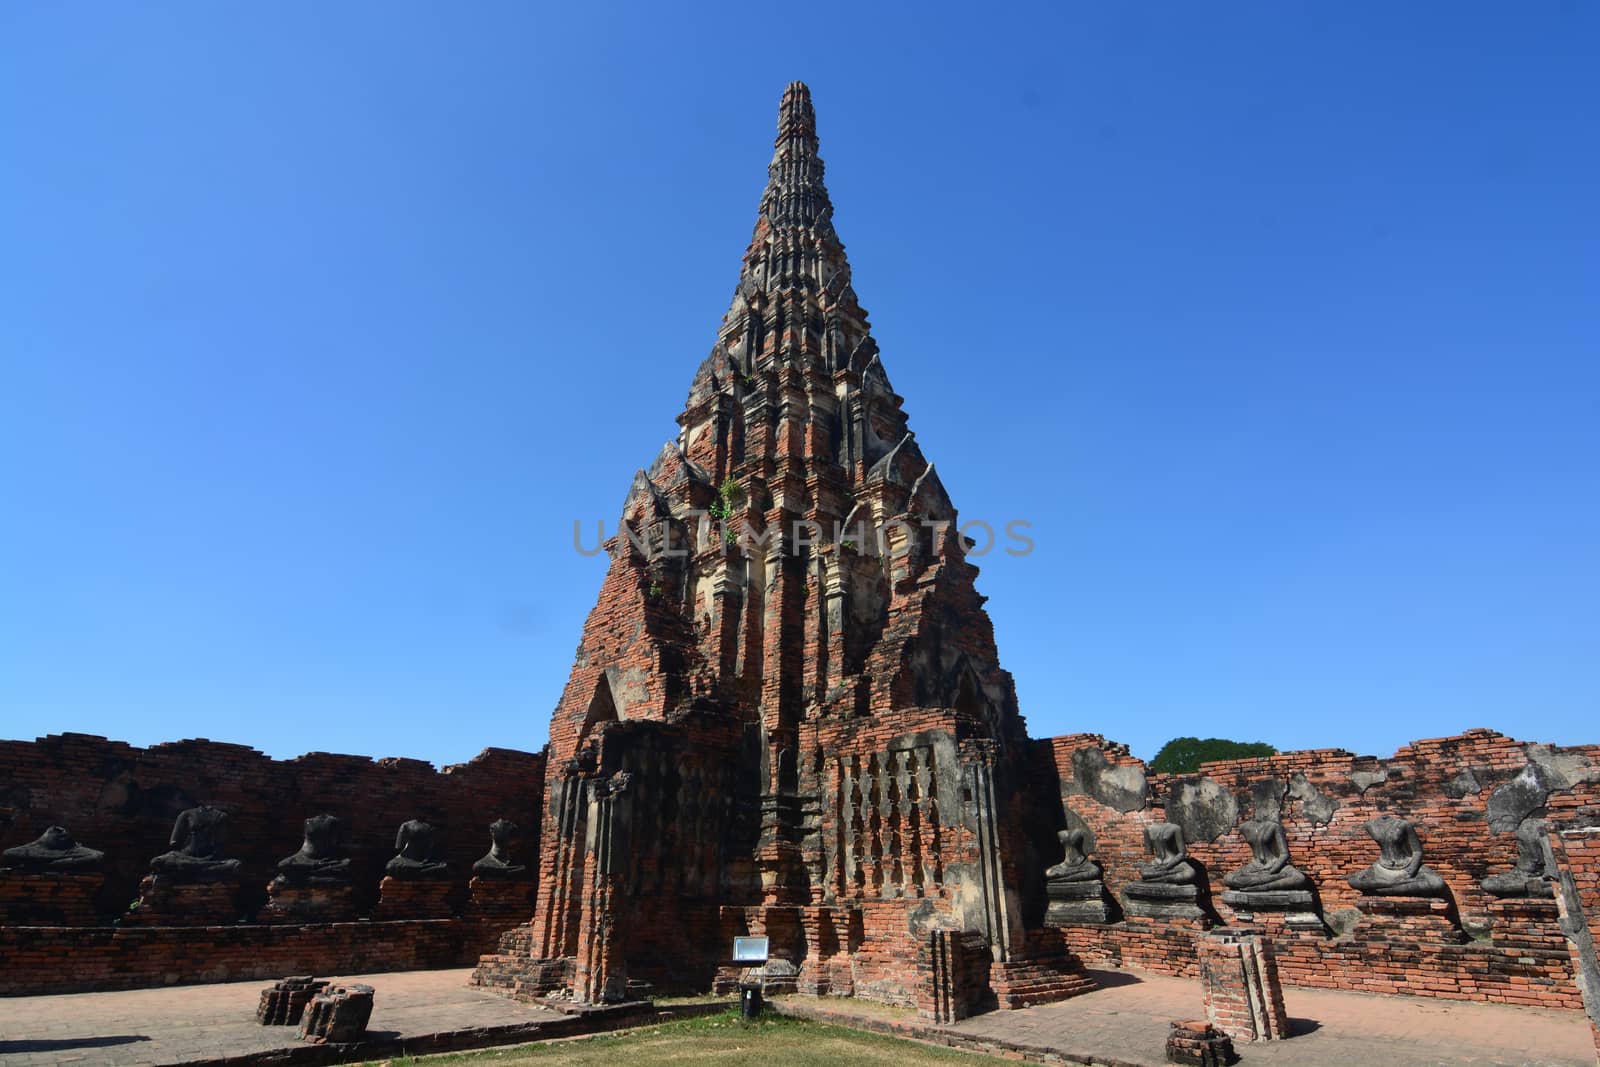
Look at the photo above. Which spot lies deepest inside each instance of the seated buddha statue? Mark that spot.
(1268, 869)
(319, 861)
(196, 854)
(1399, 870)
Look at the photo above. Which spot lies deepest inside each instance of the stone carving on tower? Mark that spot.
(792, 666)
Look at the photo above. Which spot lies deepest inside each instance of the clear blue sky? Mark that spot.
(321, 323)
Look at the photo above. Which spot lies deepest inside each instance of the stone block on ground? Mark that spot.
(337, 1015)
(1199, 1044)
(284, 1002)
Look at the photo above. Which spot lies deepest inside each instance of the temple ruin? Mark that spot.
(788, 719)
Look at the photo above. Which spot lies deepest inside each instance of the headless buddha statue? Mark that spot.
(54, 852)
(1399, 870)
(1269, 869)
(415, 859)
(319, 861)
(1075, 865)
(196, 854)
(497, 862)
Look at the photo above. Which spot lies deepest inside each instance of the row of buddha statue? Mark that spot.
(196, 855)
(1168, 886)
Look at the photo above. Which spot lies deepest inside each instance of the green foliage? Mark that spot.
(1183, 755)
(655, 590)
(727, 496)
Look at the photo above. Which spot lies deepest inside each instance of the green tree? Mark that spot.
(1183, 755)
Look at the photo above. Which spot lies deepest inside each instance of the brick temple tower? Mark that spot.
(787, 715)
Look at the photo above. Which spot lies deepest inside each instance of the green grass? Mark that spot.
(772, 1040)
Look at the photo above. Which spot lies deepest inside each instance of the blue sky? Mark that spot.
(321, 324)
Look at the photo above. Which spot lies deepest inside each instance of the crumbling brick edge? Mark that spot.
(915, 1029)
(478, 1037)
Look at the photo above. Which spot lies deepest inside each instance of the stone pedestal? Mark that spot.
(412, 899)
(1076, 902)
(46, 898)
(163, 903)
(1406, 919)
(504, 900)
(1290, 909)
(1244, 998)
(1159, 900)
(300, 904)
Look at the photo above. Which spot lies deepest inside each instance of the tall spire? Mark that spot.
(795, 195)
(794, 303)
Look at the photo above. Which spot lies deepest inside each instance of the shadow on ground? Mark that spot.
(48, 1045)
(1113, 979)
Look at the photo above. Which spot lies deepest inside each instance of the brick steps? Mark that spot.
(1027, 983)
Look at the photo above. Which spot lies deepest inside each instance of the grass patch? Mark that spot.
(725, 1038)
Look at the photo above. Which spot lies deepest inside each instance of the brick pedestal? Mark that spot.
(1532, 923)
(283, 1003)
(46, 899)
(338, 1014)
(1407, 919)
(1198, 1044)
(1240, 977)
(505, 900)
(163, 903)
(308, 904)
(420, 899)
(953, 975)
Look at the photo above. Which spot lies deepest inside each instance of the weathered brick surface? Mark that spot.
(1511, 951)
(1575, 853)
(45, 899)
(40, 959)
(283, 1002)
(122, 800)
(1239, 975)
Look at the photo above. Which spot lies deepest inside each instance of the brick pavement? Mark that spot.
(148, 1027)
(1124, 1022)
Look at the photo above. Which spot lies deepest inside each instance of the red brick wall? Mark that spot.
(1516, 956)
(122, 800)
(42, 959)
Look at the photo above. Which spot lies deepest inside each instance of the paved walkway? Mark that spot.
(1123, 1022)
(147, 1027)
(1126, 1021)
